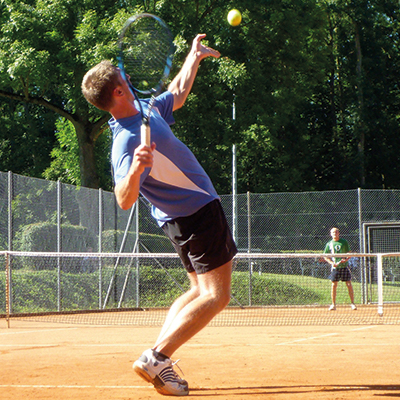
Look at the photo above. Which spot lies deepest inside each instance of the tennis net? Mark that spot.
(138, 289)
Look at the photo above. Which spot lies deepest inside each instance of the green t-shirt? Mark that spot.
(340, 246)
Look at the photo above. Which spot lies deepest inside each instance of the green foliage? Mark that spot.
(156, 243)
(65, 164)
(157, 289)
(46, 48)
(26, 137)
(35, 292)
(314, 84)
(43, 237)
(24, 205)
(267, 291)
(111, 241)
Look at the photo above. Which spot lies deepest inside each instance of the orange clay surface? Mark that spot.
(61, 361)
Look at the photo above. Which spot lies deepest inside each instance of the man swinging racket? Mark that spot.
(184, 203)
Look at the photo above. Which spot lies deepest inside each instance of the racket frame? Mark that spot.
(145, 133)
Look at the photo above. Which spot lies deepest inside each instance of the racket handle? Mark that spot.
(145, 133)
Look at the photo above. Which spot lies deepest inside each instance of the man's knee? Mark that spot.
(219, 298)
(222, 298)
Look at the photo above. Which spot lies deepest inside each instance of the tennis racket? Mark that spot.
(145, 59)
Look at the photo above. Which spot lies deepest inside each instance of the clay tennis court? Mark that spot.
(47, 360)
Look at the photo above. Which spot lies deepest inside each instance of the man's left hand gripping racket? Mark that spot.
(145, 60)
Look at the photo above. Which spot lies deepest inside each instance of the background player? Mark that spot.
(340, 270)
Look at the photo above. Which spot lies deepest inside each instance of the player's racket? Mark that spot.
(145, 60)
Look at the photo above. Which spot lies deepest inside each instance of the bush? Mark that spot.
(111, 242)
(42, 237)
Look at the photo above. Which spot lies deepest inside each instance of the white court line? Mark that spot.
(70, 345)
(322, 336)
(29, 345)
(305, 339)
(37, 345)
(36, 331)
(72, 387)
(365, 327)
(344, 344)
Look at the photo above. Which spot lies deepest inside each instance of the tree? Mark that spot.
(26, 138)
(314, 83)
(46, 48)
(365, 63)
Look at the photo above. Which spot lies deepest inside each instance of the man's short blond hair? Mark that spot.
(99, 83)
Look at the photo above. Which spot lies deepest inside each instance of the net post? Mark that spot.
(380, 285)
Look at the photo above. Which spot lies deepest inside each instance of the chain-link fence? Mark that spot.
(80, 226)
(46, 216)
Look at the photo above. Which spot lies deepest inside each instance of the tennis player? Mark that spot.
(184, 203)
(340, 270)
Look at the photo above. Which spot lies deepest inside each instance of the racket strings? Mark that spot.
(147, 48)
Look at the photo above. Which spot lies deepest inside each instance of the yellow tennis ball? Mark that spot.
(234, 17)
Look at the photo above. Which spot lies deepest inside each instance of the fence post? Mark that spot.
(363, 264)
(10, 237)
(234, 195)
(138, 251)
(8, 290)
(100, 244)
(248, 223)
(10, 216)
(249, 244)
(59, 245)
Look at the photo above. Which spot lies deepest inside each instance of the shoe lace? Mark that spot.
(176, 363)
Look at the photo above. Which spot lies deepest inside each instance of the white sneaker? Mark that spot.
(160, 374)
(353, 306)
(332, 307)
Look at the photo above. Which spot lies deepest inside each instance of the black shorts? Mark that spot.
(340, 274)
(203, 240)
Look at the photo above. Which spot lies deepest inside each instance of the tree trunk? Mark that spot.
(333, 72)
(360, 96)
(87, 160)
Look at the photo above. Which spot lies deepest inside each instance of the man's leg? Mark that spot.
(180, 303)
(203, 242)
(351, 294)
(209, 295)
(351, 291)
(333, 295)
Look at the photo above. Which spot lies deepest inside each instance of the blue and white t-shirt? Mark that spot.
(176, 185)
